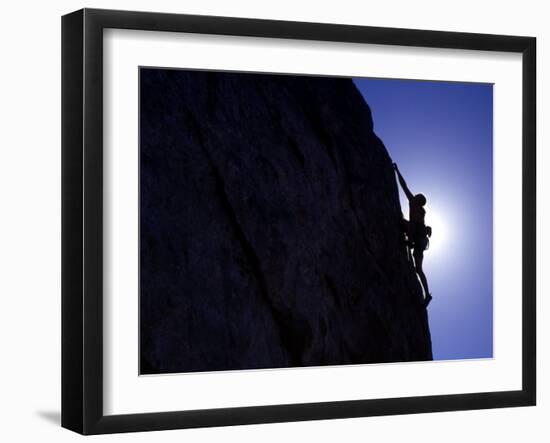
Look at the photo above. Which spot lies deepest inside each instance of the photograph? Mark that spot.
(247, 222)
(292, 220)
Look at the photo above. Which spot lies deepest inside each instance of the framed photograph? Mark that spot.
(268, 221)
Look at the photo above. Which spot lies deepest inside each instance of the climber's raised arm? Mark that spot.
(407, 191)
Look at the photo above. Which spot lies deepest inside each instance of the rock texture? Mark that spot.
(270, 227)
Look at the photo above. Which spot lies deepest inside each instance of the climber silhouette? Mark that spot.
(417, 231)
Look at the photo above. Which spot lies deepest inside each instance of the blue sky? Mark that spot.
(441, 136)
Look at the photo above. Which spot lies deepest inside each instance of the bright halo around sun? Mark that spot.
(440, 230)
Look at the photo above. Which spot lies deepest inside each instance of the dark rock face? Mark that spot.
(270, 227)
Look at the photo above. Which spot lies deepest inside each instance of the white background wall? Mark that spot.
(30, 219)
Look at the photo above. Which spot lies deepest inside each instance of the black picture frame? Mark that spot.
(82, 215)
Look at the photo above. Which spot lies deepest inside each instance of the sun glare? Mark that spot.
(440, 229)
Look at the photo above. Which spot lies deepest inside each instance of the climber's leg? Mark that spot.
(407, 239)
(406, 231)
(409, 253)
(418, 259)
